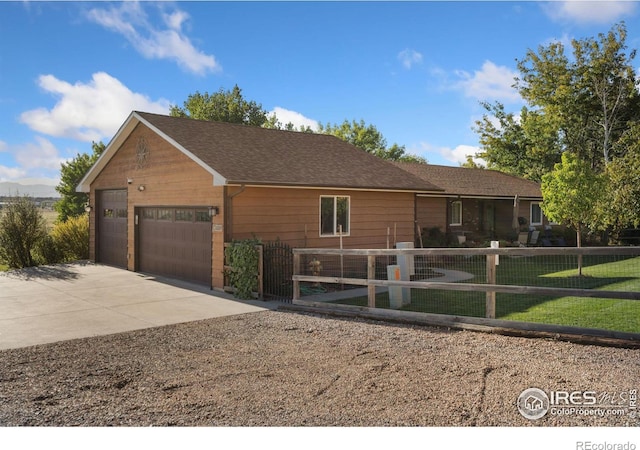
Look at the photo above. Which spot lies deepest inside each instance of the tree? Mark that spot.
(580, 104)
(623, 175)
(573, 194)
(369, 139)
(273, 123)
(608, 76)
(72, 203)
(222, 106)
(471, 164)
(22, 229)
(523, 145)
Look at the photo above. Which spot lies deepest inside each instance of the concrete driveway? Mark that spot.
(54, 303)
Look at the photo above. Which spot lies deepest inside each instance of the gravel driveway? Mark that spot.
(277, 368)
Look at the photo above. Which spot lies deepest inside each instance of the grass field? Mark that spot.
(604, 273)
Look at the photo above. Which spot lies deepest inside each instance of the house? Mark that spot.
(476, 204)
(168, 192)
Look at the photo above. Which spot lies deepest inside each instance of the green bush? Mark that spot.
(22, 230)
(47, 251)
(71, 238)
(242, 258)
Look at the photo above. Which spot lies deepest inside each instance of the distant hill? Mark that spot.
(8, 189)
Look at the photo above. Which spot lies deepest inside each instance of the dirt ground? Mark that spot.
(278, 368)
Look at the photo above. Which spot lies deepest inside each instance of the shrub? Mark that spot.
(22, 229)
(434, 237)
(71, 238)
(242, 258)
(47, 251)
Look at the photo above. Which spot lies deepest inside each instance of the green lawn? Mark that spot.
(599, 273)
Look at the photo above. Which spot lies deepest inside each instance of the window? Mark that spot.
(165, 214)
(202, 215)
(149, 213)
(334, 215)
(456, 213)
(536, 214)
(184, 215)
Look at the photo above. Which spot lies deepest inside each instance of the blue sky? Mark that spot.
(71, 72)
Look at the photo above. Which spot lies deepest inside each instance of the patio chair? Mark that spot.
(533, 240)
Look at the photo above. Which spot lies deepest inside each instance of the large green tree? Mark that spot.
(623, 175)
(523, 145)
(222, 106)
(72, 203)
(368, 138)
(580, 104)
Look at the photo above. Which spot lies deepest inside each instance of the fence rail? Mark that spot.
(544, 277)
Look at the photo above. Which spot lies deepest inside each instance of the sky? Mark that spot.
(72, 72)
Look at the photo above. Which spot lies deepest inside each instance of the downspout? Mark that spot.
(228, 211)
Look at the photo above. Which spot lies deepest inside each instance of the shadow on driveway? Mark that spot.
(65, 272)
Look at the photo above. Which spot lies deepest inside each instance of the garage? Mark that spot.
(175, 242)
(111, 221)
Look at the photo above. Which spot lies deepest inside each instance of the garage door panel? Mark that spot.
(175, 248)
(111, 221)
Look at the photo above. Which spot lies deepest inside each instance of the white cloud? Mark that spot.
(165, 42)
(492, 82)
(457, 155)
(36, 162)
(11, 173)
(41, 154)
(409, 58)
(286, 116)
(598, 12)
(88, 111)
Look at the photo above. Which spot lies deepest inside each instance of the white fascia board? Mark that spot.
(123, 132)
(218, 179)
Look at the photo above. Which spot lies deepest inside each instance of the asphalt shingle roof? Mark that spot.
(254, 155)
(474, 182)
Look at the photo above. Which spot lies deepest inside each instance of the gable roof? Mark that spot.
(241, 154)
(465, 182)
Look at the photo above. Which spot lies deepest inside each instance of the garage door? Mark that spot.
(175, 242)
(111, 221)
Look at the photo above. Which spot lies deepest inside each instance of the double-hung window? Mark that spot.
(334, 215)
(456, 213)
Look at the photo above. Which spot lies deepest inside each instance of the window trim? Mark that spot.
(531, 222)
(335, 216)
(451, 222)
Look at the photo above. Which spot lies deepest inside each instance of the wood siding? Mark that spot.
(169, 178)
(431, 212)
(293, 216)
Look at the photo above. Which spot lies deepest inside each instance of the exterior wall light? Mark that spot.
(213, 211)
(141, 187)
